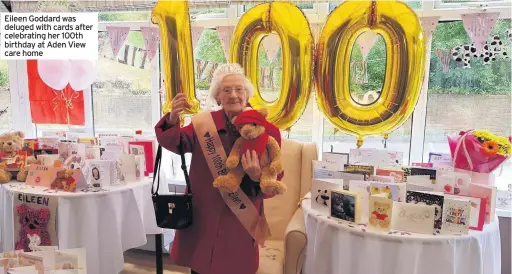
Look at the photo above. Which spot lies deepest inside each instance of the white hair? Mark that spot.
(219, 74)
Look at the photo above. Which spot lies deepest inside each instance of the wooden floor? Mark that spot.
(143, 262)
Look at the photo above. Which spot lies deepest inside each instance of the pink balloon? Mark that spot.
(54, 73)
(82, 74)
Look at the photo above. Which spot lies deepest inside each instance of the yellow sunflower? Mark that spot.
(490, 148)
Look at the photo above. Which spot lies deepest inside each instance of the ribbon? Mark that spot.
(225, 34)
(196, 35)
(68, 101)
(479, 26)
(271, 43)
(316, 28)
(151, 37)
(117, 36)
(429, 25)
(366, 41)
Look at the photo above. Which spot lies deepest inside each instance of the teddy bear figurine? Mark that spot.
(252, 125)
(13, 163)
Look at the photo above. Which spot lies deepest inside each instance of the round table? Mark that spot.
(336, 246)
(105, 223)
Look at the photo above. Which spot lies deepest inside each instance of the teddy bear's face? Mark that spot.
(381, 207)
(33, 220)
(251, 131)
(11, 142)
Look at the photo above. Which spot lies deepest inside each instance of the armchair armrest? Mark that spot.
(295, 241)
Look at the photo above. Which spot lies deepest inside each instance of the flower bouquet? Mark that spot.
(479, 153)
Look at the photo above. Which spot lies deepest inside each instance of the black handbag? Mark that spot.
(173, 211)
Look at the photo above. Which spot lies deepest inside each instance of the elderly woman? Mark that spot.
(217, 242)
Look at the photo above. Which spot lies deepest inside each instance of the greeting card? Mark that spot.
(64, 260)
(445, 183)
(149, 152)
(39, 175)
(410, 186)
(395, 173)
(136, 150)
(93, 153)
(456, 216)
(68, 180)
(39, 152)
(32, 260)
(380, 212)
(423, 180)
(111, 152)
(326, 165)
(440, 159)
(426, 165)
(99, 173)
(395, 192)
(126, 163)
(360, 169)
(390, 158)
(140, 167)
(345, 206)
(382, 179)
(335, 160)
(408, 171)
(363, 156)
(29, 145)
(417, 218)
(477, 213)
(106, 141)
(422, 198)
(362, 189)
(321, 193)
(504, 198)
(48, 143)
(489, 193)
(462, 181)
(70, 261)
(13, 161)
(48, 159)
(331, 174)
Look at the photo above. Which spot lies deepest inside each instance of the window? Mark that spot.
(121, 96)
(476, 98)
(5, 98)
(414, 4)
(305, 7)
(207, 12)
(366, 81)
(124, 16)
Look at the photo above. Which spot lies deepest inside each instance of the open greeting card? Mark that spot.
(456, 216)
(489, 193)
(48, 261)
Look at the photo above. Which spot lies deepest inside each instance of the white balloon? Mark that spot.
(54, 73)
(82, 74)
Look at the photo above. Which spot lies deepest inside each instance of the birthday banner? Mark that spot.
(34, 221)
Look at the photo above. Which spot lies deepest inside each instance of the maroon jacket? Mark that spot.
(216, 243)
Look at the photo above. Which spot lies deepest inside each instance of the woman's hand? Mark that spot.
(251, 165)
(178, 105)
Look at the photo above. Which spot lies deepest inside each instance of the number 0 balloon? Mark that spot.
(405, 63)
(289, 23)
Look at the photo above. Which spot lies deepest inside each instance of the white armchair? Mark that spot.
(285, 251)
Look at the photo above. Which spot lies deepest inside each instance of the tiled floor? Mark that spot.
(143, 262)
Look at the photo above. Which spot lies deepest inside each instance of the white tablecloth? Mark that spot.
(105, 223)
(345, 248)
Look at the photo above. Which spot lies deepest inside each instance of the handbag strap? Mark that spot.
(156, 173)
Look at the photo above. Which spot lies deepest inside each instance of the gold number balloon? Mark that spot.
(405, 63)
(289, 23)
(177, 52)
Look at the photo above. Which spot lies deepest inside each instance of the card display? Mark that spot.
(380, 212)
(417, 218)
(408, 171)
(99, 173)
(416, 187)
(345, 206)
(126, 164)
(321, 193)
(383, 179)
(437, 201)
(456, 216)
(326, 165)
(489, 193)
(337, 160)
(360, 169)
(445, 183)
(140, 167)
(364, 156)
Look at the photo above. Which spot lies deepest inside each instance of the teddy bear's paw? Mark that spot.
(384, 224)
(5, 176)
(373, 221)
(276, 167)
(272, 187)
(22, 175)
(232, 162)
(227, 183)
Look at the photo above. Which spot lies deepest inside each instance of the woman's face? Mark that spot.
(232, 95)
